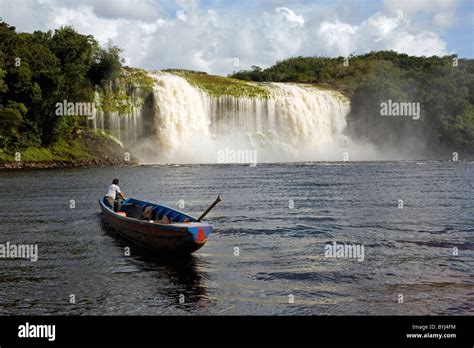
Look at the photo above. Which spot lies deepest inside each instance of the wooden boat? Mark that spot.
(184, 235)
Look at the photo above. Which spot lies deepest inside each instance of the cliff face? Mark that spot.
(123, 107)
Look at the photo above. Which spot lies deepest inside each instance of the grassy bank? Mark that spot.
(84, 148)
(219, 86)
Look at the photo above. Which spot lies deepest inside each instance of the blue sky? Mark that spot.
(221, 36)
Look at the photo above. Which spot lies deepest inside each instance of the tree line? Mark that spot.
(443, 86)
(40, 69)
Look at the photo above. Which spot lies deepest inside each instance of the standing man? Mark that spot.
(111, 197)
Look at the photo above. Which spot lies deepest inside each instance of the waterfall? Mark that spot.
(180, 114)
(184, 124)
(127, 125)
(295, 122)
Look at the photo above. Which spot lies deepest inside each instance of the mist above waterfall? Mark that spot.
(294, 123)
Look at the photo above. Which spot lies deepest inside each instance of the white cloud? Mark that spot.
(283, 32)
(180, 14)
(442, 12)
(337, 37)
(134, 36)
(288, 15)
(378, 32)
(199, 38)
(130, 9)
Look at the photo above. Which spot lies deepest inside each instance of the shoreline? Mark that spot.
(109, 162)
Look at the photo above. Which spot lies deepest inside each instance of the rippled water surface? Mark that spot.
(281, 249)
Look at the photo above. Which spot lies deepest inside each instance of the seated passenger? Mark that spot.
(148, 215)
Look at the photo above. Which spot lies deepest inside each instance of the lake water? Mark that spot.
(279, 216)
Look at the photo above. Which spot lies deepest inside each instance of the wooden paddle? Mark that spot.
(218, 199)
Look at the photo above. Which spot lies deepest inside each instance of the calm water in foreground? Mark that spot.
(408, 251)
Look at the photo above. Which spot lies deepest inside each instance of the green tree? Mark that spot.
(106, 63)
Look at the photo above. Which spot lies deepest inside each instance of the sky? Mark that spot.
(223, 36)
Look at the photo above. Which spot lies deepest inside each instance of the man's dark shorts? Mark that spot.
(109, 201)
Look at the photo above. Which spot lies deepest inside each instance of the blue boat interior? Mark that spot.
(135, 208)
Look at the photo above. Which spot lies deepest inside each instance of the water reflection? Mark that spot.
(179, 278)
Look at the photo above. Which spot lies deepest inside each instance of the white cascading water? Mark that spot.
(125, 128)
(180, 115)
(295, 123)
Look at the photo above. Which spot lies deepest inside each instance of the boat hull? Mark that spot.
(169, 239)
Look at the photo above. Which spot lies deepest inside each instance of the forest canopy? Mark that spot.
(38, 70)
